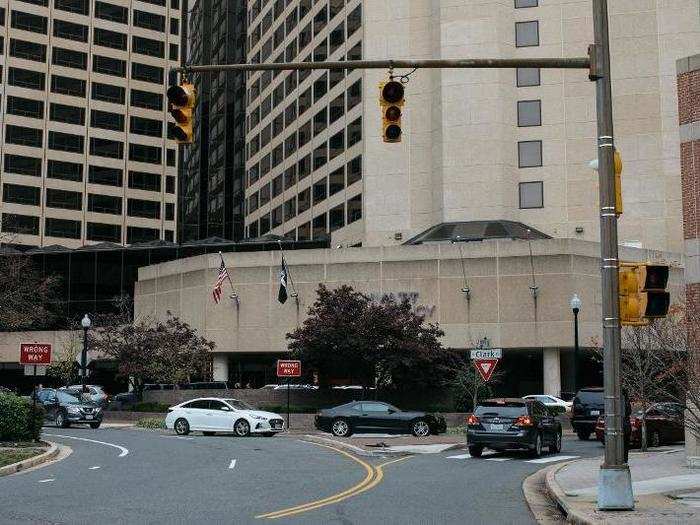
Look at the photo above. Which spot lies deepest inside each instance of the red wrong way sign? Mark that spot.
(485, 367)
(288, 368)
(35, 353)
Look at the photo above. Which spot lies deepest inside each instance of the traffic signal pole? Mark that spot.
(614, 484)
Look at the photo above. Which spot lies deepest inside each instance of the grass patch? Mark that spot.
(8, 457)
(151, 423)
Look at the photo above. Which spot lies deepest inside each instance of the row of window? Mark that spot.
(73, 200)
(103, 10)
(69, 229)
(318, 228)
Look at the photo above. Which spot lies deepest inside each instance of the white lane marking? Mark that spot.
(178, 437)
(124, 450)
(94, 468)
(232, 464)
(498, 459)
(49, 480)
(460, 456)
(551, 459)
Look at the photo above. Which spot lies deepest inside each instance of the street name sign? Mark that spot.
(35, 353)
(487, 353)
(288, 368)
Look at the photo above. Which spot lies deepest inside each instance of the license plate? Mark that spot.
(595, 412)
(498, 428)
(88, 416)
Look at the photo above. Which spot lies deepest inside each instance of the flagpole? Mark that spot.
(289, 273)
(234, 295)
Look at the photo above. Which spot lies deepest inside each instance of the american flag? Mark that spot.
(216, 293)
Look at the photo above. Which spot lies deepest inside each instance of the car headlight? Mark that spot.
(73, 410)
(259, 418)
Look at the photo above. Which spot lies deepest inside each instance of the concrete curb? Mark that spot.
(341, 444)
(31, 462)
(557, 493)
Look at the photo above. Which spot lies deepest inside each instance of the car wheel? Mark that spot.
(655, 439)
(420, 428)
(555, 447)
(208, 433)
(95, 425)
(61, 420)
(537, 451)
(182, 427)
(340, 428)
(583, 435)
(475, 451)
(241, 428)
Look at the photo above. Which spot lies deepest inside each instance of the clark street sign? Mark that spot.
(487, 353)
(485, 361)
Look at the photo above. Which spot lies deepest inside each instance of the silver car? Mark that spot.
(95, 393)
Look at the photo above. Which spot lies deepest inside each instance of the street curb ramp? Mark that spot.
(573, 515)
(51, 453)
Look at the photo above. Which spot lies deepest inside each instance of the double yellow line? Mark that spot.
(372, 479)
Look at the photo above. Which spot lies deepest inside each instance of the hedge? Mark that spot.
(17, 422)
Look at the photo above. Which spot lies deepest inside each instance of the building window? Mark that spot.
(320, 227)
(527, 76)
(320, 191)
(146, 73)
(530, 154)
(525, 3)
(170, 157)
(68, 114)
(320, 121)
(290, 209)
(169, 184)
(27, 50)
(146, 99)
(531, 195)
(304, 200)
(69, 58)
(66, 142)
(109, 66)
(320, 156)
(169, 235)
(527, 34)
(354, 170)
(25, 107)
(354, 20)
(141, 180)
(67, 86)
(70, 31)
(336, 217)
(147, 46)
(111, 12)
(103, 232)
(57, 169)
(529, 113)
(28, 22)
(277, 216)
(141, 153)
(17, 194)
(354, 132)
(354, 209)
(24, 136)
(150, 21)
(106, 148)
(105, 176)
(62, 228)
(143, 208)
(304, 232)
(174, 26)
(320, 87)
(22, 165)
(107, 38)
(173, 52)
(67, 200)
(27, 224)
(354, 95)
(336, 144)
(80, 7)
(135, 234)
(104, 204)
(26, 78)
(145, 126)
(108, 93)
(106, 120)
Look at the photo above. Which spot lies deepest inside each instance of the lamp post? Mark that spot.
(86, 322)
(575, 307)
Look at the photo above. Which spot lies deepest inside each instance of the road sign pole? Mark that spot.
(289, 422)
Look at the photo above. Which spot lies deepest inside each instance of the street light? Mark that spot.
(86, 322)
(575, 307)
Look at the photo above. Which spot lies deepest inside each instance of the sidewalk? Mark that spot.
(665, 489)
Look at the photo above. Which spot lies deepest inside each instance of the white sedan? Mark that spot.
(551, 401)
(214, 414)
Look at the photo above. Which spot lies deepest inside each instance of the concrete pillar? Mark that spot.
(220, 367)
(551, 371)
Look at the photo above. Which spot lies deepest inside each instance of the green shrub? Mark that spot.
(151, 423)
(293, 409)
(17, 422)
(150, 407)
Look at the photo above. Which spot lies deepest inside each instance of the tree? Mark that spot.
(64, 368)
(383, 344)
(469, 387)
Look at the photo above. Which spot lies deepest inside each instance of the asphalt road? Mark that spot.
(136, 476)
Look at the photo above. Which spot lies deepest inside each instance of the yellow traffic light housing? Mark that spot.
(643, 294)
(618, 182)
(391, 100)
(181, 102)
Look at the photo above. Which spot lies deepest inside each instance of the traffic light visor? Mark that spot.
(392, 91)
(657, 304)
(181, 116)
(393, 113)
(656, 277)
(177, 133)
(181, 95)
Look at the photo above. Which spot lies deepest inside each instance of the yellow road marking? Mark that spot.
(373, 478)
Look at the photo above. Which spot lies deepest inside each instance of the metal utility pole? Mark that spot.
(614, 481)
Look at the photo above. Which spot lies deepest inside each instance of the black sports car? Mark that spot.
(374, 416)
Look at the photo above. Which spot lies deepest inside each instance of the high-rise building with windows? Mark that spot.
(212, 191)
(85, 155)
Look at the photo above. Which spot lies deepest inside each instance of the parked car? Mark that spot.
(513, 423)
(124, 401)
(588, 406)
(216, 414)
(551, 402)
(65, 409)
(205, 385)
(158, 386)
(95, 393)
(665, 424)
(374, 416)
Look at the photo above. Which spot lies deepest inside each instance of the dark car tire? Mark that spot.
(181, 426)
(95, 425)
(655, 439)
(536, 452)
(341, 427)
(208, 433)
(241, 428)
(62, 420)
(420, 428)
(555, 447)
(475, 451)
(583, 435)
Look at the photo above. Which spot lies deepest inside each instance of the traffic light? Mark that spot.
(181, 101)
(391, 101)
(643, 294)
(617, 158)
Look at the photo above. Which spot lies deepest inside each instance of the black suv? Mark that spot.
(589, 405)
(65, 409)
(513, 423)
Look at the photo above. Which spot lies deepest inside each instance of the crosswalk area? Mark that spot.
(490, 455)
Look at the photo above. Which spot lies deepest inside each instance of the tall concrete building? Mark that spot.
(84, 150)
(477, 144)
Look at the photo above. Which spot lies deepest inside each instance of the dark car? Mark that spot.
(588, 406)
(374, 416)
(65, 409)
(513, 423)
(665, 425)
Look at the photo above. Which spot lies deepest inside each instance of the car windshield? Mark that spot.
(67, 399)
(239, 405)
(503, 410)
(590, 397)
